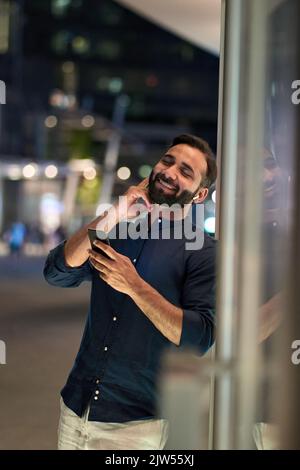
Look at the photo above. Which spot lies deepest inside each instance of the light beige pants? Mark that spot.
(75, 433)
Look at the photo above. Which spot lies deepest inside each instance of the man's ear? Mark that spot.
(201, 196)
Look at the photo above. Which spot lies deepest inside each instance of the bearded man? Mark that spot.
(148, 293)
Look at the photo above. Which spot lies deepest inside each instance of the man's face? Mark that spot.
(272, 182)
(177, 177)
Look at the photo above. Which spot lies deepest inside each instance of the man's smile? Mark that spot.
(166, 185)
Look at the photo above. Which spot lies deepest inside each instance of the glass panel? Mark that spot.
(257, 156)
(279, 156)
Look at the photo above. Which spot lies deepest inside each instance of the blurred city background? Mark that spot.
(94, 94)
(93, 91)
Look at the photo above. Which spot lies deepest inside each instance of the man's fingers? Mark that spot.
(99, 266)
(100, 259)
(140, 194)
(144, 183)
(103, 276)
(106, 248)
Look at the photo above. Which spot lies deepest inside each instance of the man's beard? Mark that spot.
(158, 196)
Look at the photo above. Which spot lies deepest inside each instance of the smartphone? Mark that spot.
(93, 236)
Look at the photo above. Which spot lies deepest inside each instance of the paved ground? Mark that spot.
(41, 326)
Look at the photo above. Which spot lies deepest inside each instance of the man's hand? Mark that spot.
(117, 270)
(128, 206)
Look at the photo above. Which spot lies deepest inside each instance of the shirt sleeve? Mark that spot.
(58, 273)
(198, 301)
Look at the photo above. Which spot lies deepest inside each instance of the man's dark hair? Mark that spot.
(203, 146)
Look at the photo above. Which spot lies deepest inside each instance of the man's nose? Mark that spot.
(171, 173)
(267, 176)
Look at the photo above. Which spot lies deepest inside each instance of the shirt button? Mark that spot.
(95, 398)
(97, 392)
(106, 348)
(97, 381)
(115, 319)
(134, 260)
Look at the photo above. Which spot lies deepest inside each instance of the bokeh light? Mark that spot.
(123, 173)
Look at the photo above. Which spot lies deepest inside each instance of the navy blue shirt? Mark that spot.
(118, 363)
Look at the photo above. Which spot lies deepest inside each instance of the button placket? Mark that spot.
(105, 350)
(96, 392)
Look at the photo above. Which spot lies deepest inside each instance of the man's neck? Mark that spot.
(164, 212)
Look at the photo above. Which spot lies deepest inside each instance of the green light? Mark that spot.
(144, 171)
(115, 85)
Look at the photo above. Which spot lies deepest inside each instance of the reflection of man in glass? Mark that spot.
(274, 223)
(272, 185)
(273, 227)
